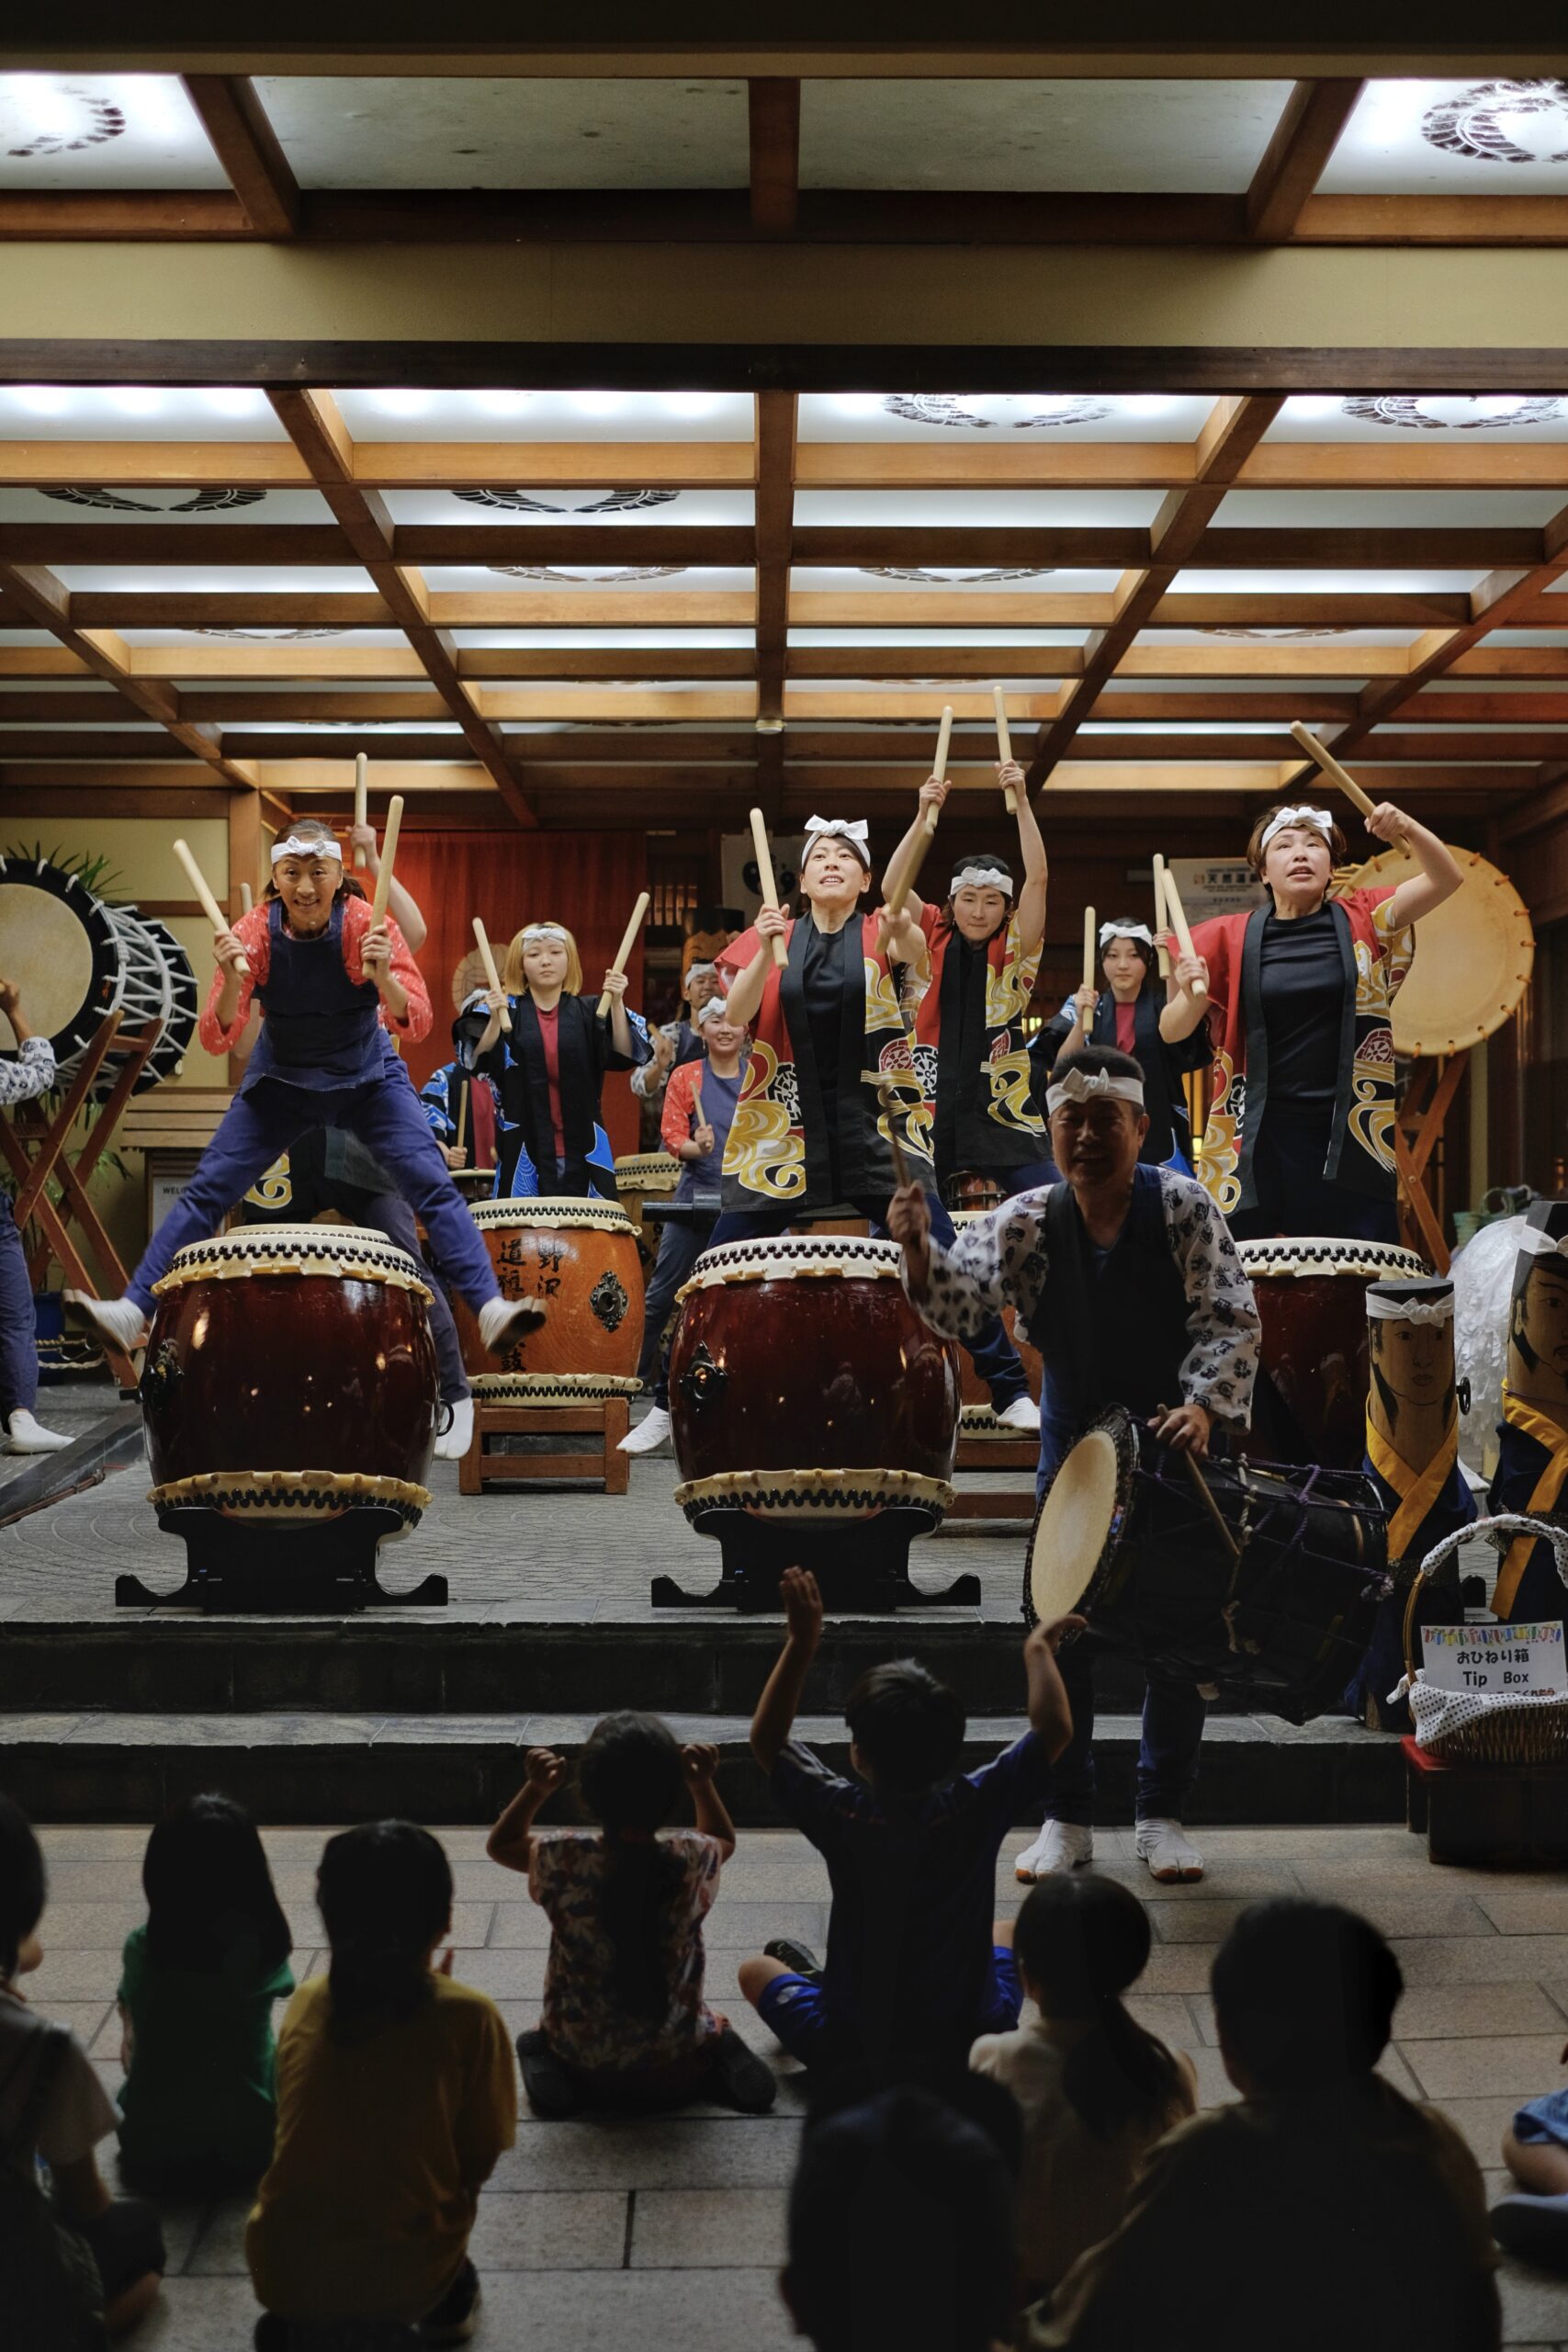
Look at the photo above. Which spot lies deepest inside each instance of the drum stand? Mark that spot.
(604, 1421)
(1428, 1099)
(256, 1567)
(47, 1159)
(864, 1567)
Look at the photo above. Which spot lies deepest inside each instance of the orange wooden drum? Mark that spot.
(580, 1258)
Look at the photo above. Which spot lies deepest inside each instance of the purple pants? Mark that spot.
(266, 1117)
(18, 1337)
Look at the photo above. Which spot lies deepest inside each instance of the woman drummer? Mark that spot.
(810, 1130)
(1127, 1014)
(550, 1071)
(1300, 1137)
(970, 1050)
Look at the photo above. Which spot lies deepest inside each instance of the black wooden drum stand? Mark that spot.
(863, 1566)
(235, 1565)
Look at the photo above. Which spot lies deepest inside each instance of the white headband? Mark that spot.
(296, 846)
(534, 930)
(857, 833)
(1320, 820)
(1109, 930)
(1411, 1310)
(699, 971)
(1538, 1244)
(1096, 1086)
(715, 1009)
(982, 877)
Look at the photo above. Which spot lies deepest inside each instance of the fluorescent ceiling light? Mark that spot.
(598, 403)
(1314, 407)
(402, 404)
(500, 401)
(43, 400)
(137, 400)
(858, 403)
(691, 404)
(233, 400)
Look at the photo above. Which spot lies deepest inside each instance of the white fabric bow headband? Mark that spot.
(1541, 1245)
(981, 878)
(1320, 820)
(1410, 1310)
(533, 932)
(1109, 930)
(296, 846)
(857, 834)
(1093, 1086)
(715, 1009)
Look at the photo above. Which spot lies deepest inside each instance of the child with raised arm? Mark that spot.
(914, 1965)
(625, 2022)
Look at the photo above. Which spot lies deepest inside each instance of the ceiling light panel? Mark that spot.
(441, 132)
(1416, 509)
(1176, 137)
(650, 579)
(1433, 420)
(1486, 137)
(133, 503)
(995, 509)
(996, 419)
(1197, 582)
(582, 640)
(403, 412)
(101, 130)
(242, 580)
(127, 413)
(519, 503)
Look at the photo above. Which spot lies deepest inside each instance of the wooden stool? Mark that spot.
(540, 1465)
(1515, 1814)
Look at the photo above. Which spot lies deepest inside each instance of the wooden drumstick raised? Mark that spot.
(624, 950)
(209, 906)
(943, 738)
(1089, 944)
(1178, 924)
(1206, 1494)
(889, 1102)
(361, 799)
(463, 1115)
(388, 852)
(697, 1100)
(1331, 769)
(765, 882)
(1162, 920)
(247, 899)
(487, 958)
(1004, 745)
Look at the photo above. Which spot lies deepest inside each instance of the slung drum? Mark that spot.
(1311, 1400)
(580, 1259)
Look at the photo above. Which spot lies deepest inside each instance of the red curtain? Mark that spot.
(588, 881)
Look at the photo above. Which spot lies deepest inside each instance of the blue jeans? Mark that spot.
(679, 1247)
(992, 1352)
(263, 1120)
(794, 2010)
(1168, 1752)
(19, 1338)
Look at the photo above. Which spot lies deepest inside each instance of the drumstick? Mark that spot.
(1162, 920)
(889, 1102)
(1331, 769)
(209, 906)
(1178, 923)
(1089, 944)
(246, 900)
(463, 1114)
(388, 851)
(488, 959)
(765, 882)
(624, 949)
(697, 1099)
(1004, 745)
(361, 799)
(1221, 1523)
(944, 737)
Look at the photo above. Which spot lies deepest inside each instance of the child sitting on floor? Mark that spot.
(1095, 2089)
(625, 2023)
(195, 1992)
(1535, 2149)
(914, 1965)
(396, 2094)
(78, 2253)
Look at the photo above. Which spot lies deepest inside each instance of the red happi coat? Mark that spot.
(1376, 958)
(994, 1121)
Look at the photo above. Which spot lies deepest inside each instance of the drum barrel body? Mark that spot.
(810, 1372)
(1312, 1298)
(291, 1373)
(580, 1259)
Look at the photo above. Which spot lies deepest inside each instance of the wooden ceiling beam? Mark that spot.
(567, 661)
(237, 706)
(232, 114)
(777, 416)
(1305, 136)
(1232, 429)
(314, 424)
(257, 608)
(773, 110)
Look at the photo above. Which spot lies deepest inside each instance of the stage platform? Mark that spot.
(110, 1714)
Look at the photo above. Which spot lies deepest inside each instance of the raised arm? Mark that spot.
(1439, 876)
(933, 793)
(745, 998)
(779, 1702)
(1031, 913)
(404, 907)
(511, 1842)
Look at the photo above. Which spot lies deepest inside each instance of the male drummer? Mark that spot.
(22, 1080)
(1125, 1278)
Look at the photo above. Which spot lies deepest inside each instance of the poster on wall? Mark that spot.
(1216, 887)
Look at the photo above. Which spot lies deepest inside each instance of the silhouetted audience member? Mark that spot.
(1325, 2209)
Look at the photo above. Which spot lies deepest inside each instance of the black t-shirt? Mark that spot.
(1303, 1004)
(822, 978)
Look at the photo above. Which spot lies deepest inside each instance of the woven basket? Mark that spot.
(1485, 1727)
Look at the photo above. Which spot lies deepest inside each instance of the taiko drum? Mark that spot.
(1311, 1405)
(580, 1260)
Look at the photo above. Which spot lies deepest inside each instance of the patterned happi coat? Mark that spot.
(1376, 957)
(995, 1122)
(778, 1148)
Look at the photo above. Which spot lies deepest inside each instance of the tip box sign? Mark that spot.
(1511, 1658)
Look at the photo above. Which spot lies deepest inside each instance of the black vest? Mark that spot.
(1111, 1334)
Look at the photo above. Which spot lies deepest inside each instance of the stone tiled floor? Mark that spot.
(668, 2234)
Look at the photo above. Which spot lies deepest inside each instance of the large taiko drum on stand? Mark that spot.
(815, 1417)
(290, 1395)
(1280, 1611)
(580, 1258)
(1310, 1404)
(977, 1415)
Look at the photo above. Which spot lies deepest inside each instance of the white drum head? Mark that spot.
(1075, 1519)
